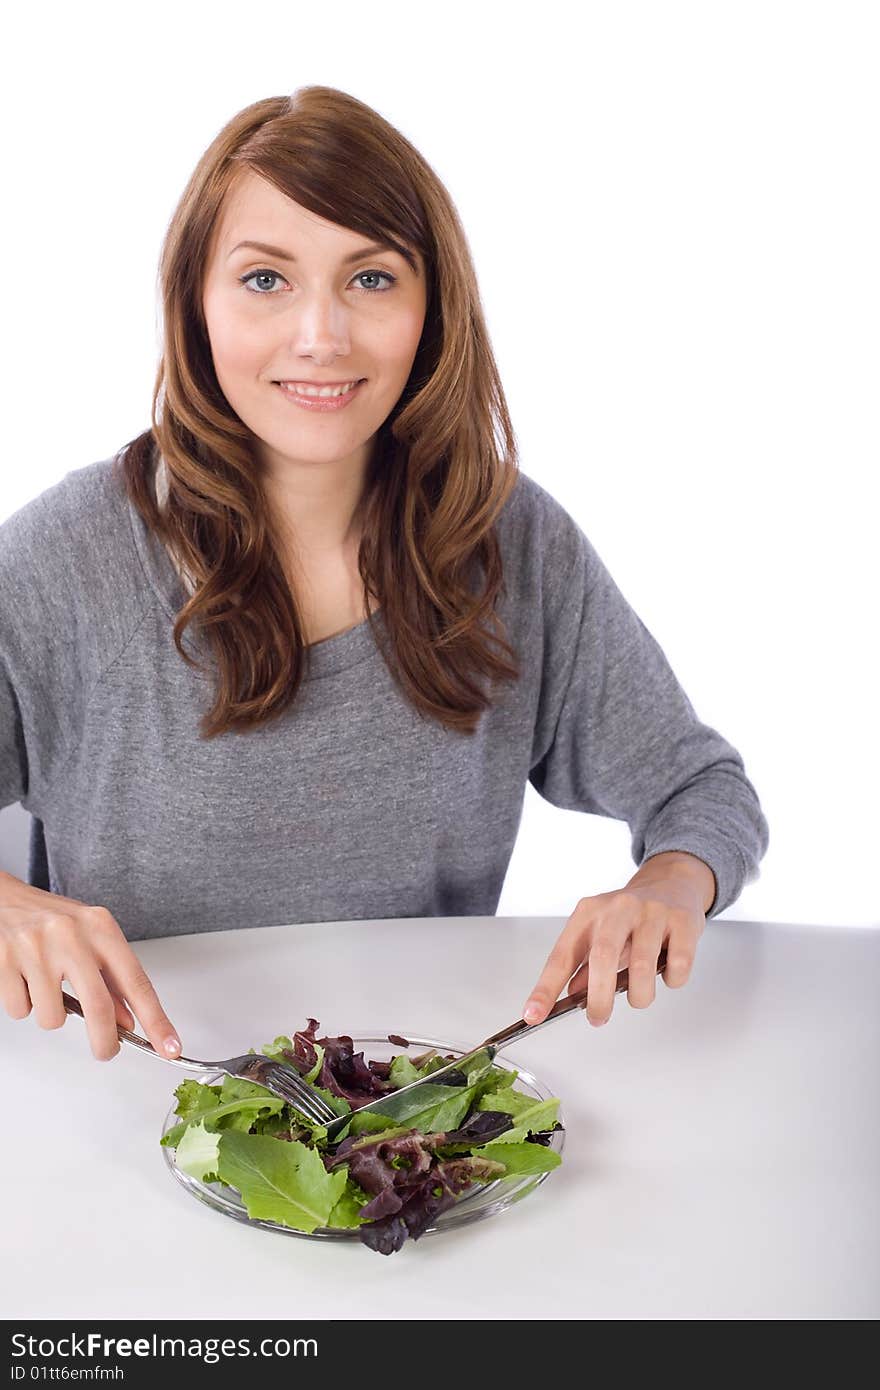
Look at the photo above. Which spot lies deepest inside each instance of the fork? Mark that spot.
(281, 1080)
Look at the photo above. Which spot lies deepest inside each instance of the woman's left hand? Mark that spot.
(663, 905)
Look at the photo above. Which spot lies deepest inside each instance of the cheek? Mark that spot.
(399, 341)
(235, 339)
(235, 349)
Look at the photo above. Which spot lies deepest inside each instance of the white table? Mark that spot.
(721, 1158)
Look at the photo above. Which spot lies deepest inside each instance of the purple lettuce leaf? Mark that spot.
(422, 1202)
(304, 1055)
(482, 1126)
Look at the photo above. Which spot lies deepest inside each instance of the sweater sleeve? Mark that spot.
(13, 758)
(54, 629)
(616, 735)
(22, 693)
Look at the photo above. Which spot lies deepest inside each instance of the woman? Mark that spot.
(293, 656)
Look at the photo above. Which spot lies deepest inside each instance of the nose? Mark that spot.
(321, 327)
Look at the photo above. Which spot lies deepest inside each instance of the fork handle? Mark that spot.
(573, 1001)
(73, 1006)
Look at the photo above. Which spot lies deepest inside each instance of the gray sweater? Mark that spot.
(350, 805)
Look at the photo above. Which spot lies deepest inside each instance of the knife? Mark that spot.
(401, 1104)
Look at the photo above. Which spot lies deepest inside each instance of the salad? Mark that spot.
(387, 1180)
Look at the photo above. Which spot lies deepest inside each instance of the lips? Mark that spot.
(318, 402)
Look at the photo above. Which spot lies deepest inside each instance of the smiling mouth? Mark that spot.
(322, 401)
(317, 390)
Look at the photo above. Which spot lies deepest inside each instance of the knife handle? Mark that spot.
(564, 1006)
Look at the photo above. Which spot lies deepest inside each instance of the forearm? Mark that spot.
(678, 864)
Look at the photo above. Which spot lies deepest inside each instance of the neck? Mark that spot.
(318, 507)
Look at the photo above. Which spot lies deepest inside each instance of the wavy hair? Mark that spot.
(442, 465)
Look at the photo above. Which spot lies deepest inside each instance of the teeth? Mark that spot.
(298, 390)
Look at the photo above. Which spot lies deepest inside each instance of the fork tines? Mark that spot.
(296, 1092)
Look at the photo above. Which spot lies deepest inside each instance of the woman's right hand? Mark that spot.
(46, 938)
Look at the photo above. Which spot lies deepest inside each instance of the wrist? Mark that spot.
(684, 867)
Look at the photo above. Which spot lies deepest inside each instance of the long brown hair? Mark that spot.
(438, 477)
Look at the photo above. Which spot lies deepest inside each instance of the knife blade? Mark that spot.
(409, 1100)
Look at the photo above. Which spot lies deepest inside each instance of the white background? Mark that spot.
(673, 212)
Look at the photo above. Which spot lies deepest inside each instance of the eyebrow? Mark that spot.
(279, 254)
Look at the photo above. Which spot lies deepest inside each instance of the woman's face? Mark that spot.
(322, 308)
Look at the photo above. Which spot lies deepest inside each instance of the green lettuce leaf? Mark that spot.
(366, 1122)
(447, 1114)
(197, 1152)
(194, 1097)
(316, 1069)
(389, 1130)
(214, 1119)
(281, 1182)
(521, 1158)
(507, 1099)
(402, 1072)
(274, 1049)
(337, 1104)
(529, 1119)
(346, 1213)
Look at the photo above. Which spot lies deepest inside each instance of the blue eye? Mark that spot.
(273, 275)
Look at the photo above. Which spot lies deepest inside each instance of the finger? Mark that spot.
(557, 970)
(127, 979)
(124, 1016)
(43, 985)
(604, 964)
(681, 949)
(14, 997)
(580, 979)
(99, 1012)
(642, 969)
(134, 985)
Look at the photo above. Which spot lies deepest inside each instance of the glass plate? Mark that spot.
(483, 1199)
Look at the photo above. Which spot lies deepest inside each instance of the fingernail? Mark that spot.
(172, 1045)
(532, 1012)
